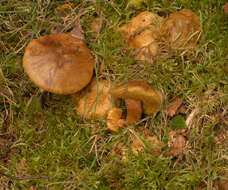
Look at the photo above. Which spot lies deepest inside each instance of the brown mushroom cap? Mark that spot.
(58, 63)
(142, 35)
(182, 29)
(96, 103)
(139, 23)
(145, 44)
(139, 90)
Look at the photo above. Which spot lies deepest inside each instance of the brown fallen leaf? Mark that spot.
(182, 109)
(151, 140)
(97, 25)
(22, 165)
(77, 31)
(177, 147)
(65, 9)
(175, 104)
(226, 9)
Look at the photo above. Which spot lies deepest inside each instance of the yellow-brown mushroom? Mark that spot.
(95, 103)
(181, 29)
(139, 90)
(58, 63)
(139, 23)
(142, 34)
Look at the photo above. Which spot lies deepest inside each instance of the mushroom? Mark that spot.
(134, 110)
(139, 23)
(142, 34)
(145, 45)
(96, 103)
(139, 90)
(181, 29)
(114, 121)
(58, 63)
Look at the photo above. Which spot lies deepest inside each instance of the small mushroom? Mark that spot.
(181, 29)
(134, 112)
(142, 35)
(114, 121)
(139, 23)
(96, 103)
(58, 63)
(145, 45)
(139, 90)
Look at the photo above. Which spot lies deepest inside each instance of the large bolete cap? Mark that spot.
(139, 90)
(58, 63)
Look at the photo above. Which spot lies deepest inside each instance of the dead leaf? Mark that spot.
(182, 110)
(22, 164)
(97, 25)
(31, 188)
(77, 31)
(226, 9)
(178, 145)
(151, 140)
(221, 138)
(175, 104)
(65, 9)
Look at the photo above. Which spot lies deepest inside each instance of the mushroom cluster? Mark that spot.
(149, 34)
(99, 101)
(62, 64)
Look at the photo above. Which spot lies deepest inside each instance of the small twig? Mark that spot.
(24, 178)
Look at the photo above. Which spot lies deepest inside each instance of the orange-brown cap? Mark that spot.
(139, 90)
(58, 63)
(182, 29)
(96, 103)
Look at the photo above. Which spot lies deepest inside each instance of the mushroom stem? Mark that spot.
(134, 110)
